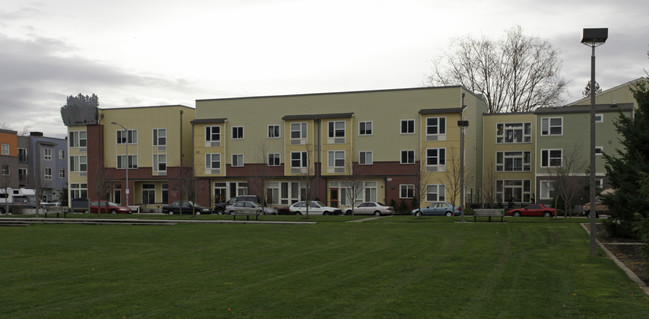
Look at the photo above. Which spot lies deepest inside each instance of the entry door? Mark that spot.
(333, 197)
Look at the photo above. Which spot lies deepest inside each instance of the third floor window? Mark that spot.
(78, 139)
(159, 136)
(514, 132)
(129, 136)
(212, 133)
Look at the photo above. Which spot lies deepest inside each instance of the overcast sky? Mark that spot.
(162, 52)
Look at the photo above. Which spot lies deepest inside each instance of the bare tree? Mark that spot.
(489, 185)
(514, 74)
(102, 187)
(567, 184)
(453, 178)
(353, 183)
(263, 171)
(5, 180)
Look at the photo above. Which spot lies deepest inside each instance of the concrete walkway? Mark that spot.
(367, 219)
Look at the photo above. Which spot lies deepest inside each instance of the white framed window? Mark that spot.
(298, 131)
(552, 126)
(599, 118)
(47, 154)
(274, 159)
(336, 129)
(78, 163)
(159, 136)
(365, 128)
(407, 126)
(299, 159)
(159, 163)
(406, 190)
(121, 161)
(61, 154)
(78, 139)
(518, 161)
(5, 149)
(435, 192)
(61, 172)
(336, 159)
(514, 132)
(551, 158)
(129, 136)
(513, 190)
(148, 194)
(237, 132)
(212, 160)
(365, 158)
(78, 190)
(47, 173)
(436, 157)
(599, 150)
(273, 131)
(408, 157)
(435, 126)
(213, 133)
(237, 160)
(370, 191)
(546, 189)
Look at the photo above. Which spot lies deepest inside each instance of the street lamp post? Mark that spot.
(593, 38)
(127, 165)
(462, 123)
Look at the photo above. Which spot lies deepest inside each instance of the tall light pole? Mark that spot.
(127, 165)
(462, 124)
(593, 38)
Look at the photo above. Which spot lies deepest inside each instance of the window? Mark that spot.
(121, 161)
(546, 190)
(165, 193)
(435, 157)
(5, 170)
(435, 125)
(599, 118)
(406, 191)
(552, 126)
(212, 133)
(78, 190)
(370, 191)
(599, 150)
(159, 163)
(148, 194)
(365, 158)
(47, 173)
(22, 155)
(365, 128)
(22, 175)
(61, 154)
(337, 129)
(408, 157)
(298, 131)
(514, 133)
(212, 161)
(47, 154)
(273, 131)
(336, 159)
(78, 139)
(78, 164)
(551, 158)
(435, 193)
(159, 136)
(129, 136)
(237, 160)
(513, 161)
(237, 132)
(407, 126)
(513, 190)
(299, 159)
(5, 149)
(61, 173)
(273, 159)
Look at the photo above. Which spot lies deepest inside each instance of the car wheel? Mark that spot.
(418, 214)
(377, 213)
(298, 213)
(219, 211)
(113, 212)
(349, 212)
(325, 213)
(517, 214)
(547, 214)
(449, 214)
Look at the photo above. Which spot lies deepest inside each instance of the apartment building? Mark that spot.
(139, 156)
(385, 145)
(8, 158)
(42, 165)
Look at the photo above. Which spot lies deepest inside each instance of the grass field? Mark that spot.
(396, 267)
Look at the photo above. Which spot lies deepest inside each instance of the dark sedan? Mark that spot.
(184, 207)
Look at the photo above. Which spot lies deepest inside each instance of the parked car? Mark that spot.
(249, 207)
(184, 207)
(219, 208)
(315, 208)
(599, 208)
(104, 207)
(532, 210)
(370, 208)
(437, 209)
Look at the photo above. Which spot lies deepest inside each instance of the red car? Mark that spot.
(104, 207)
(532, 210)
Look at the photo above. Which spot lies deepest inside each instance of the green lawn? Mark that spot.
(397, 267)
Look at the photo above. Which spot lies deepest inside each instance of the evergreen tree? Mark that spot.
(626, 168)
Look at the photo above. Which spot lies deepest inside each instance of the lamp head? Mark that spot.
(594, 36)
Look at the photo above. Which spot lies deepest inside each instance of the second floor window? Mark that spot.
(159, 162)
(408, 157)
(78, 139)
(435, 157)
(159, 136)
(298, 131)
(299, 159)
(365, 158)
(213, 161)
(78, 163)
(212, 133)
(273, 159)
(513, 161)
(336, 159)
(121, 161)
(47, 173)
(237, 160)
(551, 158)
(436, 125)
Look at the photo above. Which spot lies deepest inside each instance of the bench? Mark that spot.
(247, 214)
(488, 212)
